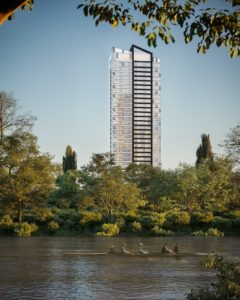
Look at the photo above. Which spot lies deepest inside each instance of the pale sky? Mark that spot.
(56, 62)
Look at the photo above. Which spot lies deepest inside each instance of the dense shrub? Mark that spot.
(199, 233)
(221, 223)
(214, 232)
(53, 227)
(226, 285)
(209, 232)
(130, 216)
(109, 230)
(44, 215)
(90, 217)
(200, 218)
(25, 229)
(150, 219)
(146, 221)
(236, 214)
(136, 226)
(120, 223)
(156, 231)
(236, 222)
(63, 216)
(39, 216)
(7, 224)
(176, 219)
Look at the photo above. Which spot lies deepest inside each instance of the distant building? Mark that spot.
(135, 107)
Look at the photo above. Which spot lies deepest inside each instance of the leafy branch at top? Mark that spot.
(155, 19)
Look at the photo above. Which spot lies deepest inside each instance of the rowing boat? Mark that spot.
(152, 254)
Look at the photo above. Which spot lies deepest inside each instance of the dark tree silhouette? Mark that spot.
(69, 160)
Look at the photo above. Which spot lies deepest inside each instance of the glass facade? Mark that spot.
(135, 107)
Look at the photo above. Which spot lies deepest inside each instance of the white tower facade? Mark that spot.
(135, 131)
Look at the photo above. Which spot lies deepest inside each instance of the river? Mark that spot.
(38, 268)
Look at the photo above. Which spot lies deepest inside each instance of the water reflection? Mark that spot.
(37, 268)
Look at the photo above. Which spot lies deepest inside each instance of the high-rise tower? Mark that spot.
(135, 107)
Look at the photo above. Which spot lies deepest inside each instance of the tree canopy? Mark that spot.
(232, 145)
(7, 8)
(204, 151)
(12, 122)
(156, 19)
(70, 159)
(26, 175)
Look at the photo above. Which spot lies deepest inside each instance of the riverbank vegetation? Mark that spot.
(227, 280)
(39, 197)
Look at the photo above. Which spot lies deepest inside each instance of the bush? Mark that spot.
(120, 222)
(130, 216)
(39, 216)
(44, 214)
(209, 232)
(200, 218)
(25, 229)
(221, 223)
(214, 232)
(151, 219)
(175, 219)
(63, 216)
(53, 227)
(90, 218)
(136, 226)
(236, 222)
(7, 224)
(236, 214)
(156, 231)
(226, 284)
(108, 230)
(199, 233)
(232, 214)
(146, 221)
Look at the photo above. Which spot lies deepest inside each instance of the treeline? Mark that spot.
(39, 197)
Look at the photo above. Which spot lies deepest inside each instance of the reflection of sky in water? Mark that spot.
(37, 268)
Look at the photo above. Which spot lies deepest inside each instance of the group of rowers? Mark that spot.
(124, 250)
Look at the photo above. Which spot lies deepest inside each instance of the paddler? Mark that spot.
(141, 250)
(175, 249)
(166, 250)
(112, 249)
(124, 249)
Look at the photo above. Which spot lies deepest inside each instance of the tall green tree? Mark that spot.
(216, 187)
(26, 176)
(156, 185)
(204, 151)
(209, 24)
(207, 188)
(12, 121)
(99, 164)
(114, 195)
(232, 145)
(69, 160)
(68, 191)
(188, 186)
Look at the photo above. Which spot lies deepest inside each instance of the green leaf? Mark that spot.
(85, 10)
(79, 6)
(115, 23)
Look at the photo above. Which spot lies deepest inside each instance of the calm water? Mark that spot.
(37, 268)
